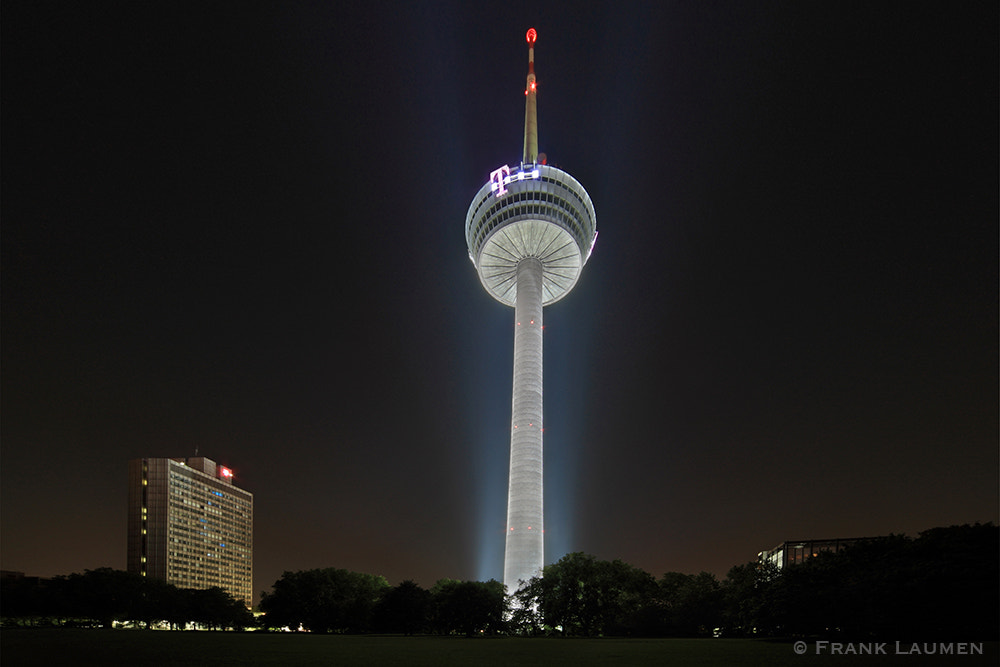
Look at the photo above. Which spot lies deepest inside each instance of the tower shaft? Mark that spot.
(524, 553)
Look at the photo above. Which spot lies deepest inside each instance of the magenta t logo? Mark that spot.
(497, 180)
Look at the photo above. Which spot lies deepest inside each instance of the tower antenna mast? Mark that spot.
(531, 105)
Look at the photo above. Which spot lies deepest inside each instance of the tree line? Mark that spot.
(942, 585)
(332, 600)
(101, 597)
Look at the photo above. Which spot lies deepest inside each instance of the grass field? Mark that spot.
(140, 648)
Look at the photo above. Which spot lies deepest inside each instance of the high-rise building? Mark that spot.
(189, 525)
(529, 230)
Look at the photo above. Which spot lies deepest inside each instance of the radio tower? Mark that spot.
(530, 230)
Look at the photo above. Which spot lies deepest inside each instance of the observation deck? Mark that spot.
(534, 211)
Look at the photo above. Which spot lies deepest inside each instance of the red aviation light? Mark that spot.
(225, 472)
(532, 36)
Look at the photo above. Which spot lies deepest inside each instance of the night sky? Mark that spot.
(238, 229)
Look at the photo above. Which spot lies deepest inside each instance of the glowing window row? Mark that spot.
(533, 195)
(201, 494)
(559, 212)
(193, 485)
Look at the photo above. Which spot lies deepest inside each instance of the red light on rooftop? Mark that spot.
(225, 472)
(532, 36)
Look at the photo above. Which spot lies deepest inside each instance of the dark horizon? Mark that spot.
(241, 233)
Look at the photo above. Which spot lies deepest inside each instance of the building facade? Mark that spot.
(793, 552)
(189, 525)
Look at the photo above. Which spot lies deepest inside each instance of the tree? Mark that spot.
(468, 607)
(29, 600)
(692, 603)
(957, 580)
(750, 600)
(215, 609)
(159, 601)
(589, 597)
(327, 600)
(103, 595)
(403, 609)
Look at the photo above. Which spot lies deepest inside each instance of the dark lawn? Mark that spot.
(140, 648)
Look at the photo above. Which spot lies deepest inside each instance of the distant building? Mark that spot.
(7, 576)
(790, 553)
(189, 526)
